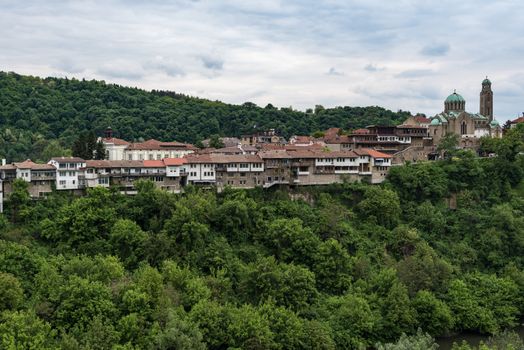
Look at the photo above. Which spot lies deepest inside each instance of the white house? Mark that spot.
(67, 172)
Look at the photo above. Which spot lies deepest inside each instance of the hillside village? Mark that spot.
(262, 159)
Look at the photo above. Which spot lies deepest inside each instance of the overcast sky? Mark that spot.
(398, 54)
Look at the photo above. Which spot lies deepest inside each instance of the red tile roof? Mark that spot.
(373, 153)
(422, 120)
(154, 164)
(518, 120)
(174, 161)
(222, 158)
(331, 132)
(361, 131)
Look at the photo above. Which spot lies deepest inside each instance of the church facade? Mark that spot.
(469, 126)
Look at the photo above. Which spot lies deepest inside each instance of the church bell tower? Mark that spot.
(486, 99)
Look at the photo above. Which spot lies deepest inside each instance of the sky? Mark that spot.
(402, 54)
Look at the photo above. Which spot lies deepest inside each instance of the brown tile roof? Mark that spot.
(227, 150)
(518, 120)
(29, 164)
(8, 167)
(331, 132)
(223, 158)
(227, 141)
(337, 139)
(274, 154)
(114, 164)
(159, 145)
(115, 141)
(306, 153)
(421, 119)
(361, 131)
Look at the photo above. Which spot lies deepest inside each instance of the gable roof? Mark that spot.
(115, 141)
(27, 164)
(174, 161)
(373, 153)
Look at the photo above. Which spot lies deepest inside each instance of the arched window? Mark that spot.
(463, 128)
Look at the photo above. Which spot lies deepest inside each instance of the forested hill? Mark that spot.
(34, 111)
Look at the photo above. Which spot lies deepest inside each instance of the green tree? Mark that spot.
(19, 200)
(381, 204)
(127, 240)
(448, 145)
(433, 315)
(24, 330)
(11, 293)
(216, 142)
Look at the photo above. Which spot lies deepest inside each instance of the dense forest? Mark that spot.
(437, 249)
(39, 117)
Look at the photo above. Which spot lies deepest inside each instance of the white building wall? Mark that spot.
(154, 154)
(115, 152)
(24, 174)
(67, 175)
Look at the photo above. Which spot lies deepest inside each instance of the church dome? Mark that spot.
(486, 81)
(435, 122)
(454, 97)
(494, 123)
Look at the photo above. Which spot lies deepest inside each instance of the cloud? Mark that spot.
(333, 71)
(415, 73)
(435, 50)
(68, 65)
(121, 70)
(212, 63)
(167, 66)
(271, 51)
(373, 68)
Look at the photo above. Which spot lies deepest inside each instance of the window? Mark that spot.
(158, 178)
(103, 181)
(463, 128)
(73, 182)
(244, 165)
(141, 157)
(243, 174)
(150, 157)
(129, 157)
(62, 182)
(159, 156)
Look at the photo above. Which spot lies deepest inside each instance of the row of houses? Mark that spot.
(291, 166)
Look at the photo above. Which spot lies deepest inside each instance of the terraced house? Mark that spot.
(291, 167)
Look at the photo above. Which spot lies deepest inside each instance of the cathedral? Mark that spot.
(469, 126)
